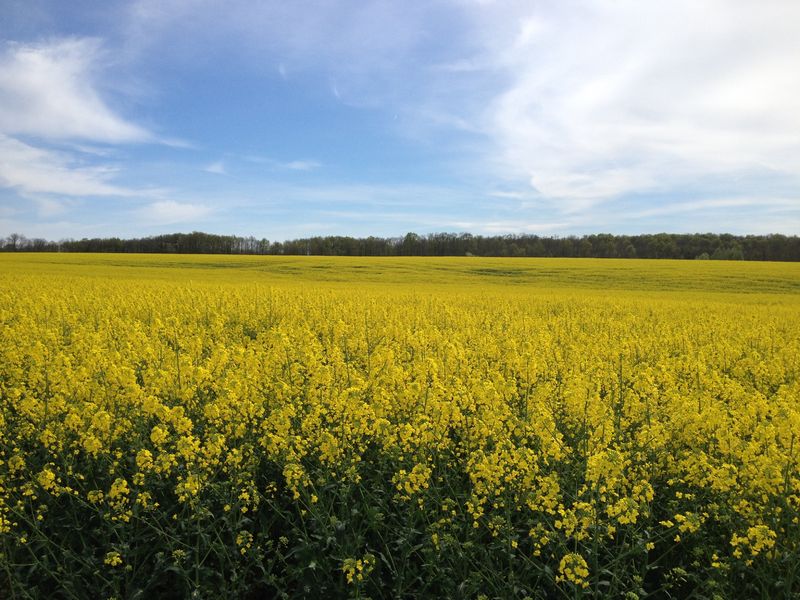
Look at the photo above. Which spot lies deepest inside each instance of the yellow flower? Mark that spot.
(244, 540)
(158, 435)
(356, 570)
(47, 479)
(573, 568)
(144, 459)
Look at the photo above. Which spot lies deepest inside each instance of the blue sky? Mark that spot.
(290, 119)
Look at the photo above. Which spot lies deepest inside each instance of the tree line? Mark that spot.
(713, 246)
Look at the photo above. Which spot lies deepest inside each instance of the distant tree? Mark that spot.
(536, 248)
(662, 245)
(731, 252)
(411, 245)
(628, 250)
(15, 242)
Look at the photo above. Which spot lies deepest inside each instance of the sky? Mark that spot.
(292, 119)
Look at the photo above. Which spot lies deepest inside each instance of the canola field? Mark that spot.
(248, 427)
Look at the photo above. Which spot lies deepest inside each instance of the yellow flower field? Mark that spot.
(212, 426)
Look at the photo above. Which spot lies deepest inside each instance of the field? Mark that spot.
(219, 426)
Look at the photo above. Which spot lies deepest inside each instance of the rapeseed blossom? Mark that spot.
(544, 424)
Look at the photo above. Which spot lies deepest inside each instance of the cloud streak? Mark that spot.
(217, 168)
(32, 170)
(169, 212)
(292, 165)
(302, 165)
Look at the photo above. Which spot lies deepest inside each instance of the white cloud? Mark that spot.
(218, 168)
(718, 206)
(609, 98)
(292, 165)
(49, 93)
(519, 227)
(302, 165)
(31, 170)
(508, 195)
(168, 212)
(56, 129)
(49, 90)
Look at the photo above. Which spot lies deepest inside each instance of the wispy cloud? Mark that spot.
(302, 165)
(607, 99)
(169, 212)
(509, 195)
(32, 170)
(218, 168)
(58, 132)
(49, 90)
(718, 205)
(291, 165)
(519, 227)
